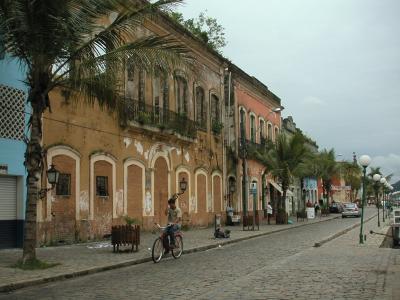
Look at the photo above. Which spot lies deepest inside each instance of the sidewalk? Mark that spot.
(82, 259)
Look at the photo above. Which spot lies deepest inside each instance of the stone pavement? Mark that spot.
(81, 259)
(282, 265)
(340, 269)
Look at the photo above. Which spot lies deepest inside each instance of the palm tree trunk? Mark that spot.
(284, 201)
(33, 164)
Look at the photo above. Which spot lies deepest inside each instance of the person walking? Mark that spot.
(269, 212)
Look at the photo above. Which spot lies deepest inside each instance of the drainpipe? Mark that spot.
(244, 163)
(263, 176)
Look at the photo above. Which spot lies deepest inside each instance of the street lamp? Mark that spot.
(182, 185)
(52, 177)
(278, 109)
(384, 183)
(377, 178)
(365, 160)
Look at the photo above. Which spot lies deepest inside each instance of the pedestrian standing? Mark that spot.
(316, 207)
(269, 212)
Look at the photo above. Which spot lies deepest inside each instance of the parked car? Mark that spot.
(335, 208)
(350, 210)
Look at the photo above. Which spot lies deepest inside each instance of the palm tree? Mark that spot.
(283, 161)
(371, 185)
(68, 44)
(352, 176)
(327, 169)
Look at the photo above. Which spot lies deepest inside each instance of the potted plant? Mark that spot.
(217, 127)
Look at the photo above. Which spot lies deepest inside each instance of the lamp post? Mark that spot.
(383, 181)
(52, 177)
(365, 160)
(377, 178)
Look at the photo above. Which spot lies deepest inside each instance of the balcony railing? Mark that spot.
(252, 149)
(160, 117)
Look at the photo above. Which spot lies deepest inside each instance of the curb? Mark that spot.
(340, 233)
(28, 283)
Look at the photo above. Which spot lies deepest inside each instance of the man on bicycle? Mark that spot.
(174, 220)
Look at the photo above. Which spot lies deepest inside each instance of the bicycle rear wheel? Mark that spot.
(157, 250)
(177, 251)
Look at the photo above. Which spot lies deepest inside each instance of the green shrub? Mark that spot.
(130, 221)
(217, 127)
(144, 117)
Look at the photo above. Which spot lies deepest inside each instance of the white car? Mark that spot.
(350, 210)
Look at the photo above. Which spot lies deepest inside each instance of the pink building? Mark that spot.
(254, 105)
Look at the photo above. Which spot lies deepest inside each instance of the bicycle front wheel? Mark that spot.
(157, 250)
(177, 251)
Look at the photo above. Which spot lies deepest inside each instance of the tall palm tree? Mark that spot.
(352, 176)
(371, 185)
(283, 161)
(327, 169)
(68, 44)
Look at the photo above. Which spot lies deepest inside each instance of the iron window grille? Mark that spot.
(102, 186)
(63, 187)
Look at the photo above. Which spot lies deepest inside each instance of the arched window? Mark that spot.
(215, 114)
(201, 108)
(181, 93)
(132, 86)
(242, 116)
(160, 97)
(253, 128)
(157, 92)
(276, 133)
(270, 131)
(262, 131)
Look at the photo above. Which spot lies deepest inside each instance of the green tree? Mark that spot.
(62, 44)
(352, 174)
(327, 168)
(205, 28)
(285, 160)
(371, 184)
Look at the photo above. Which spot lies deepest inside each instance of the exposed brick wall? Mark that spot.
(202, 215)
(160, 190)
(63, 208)
(217, 194)
(103, 206)
(135, 192)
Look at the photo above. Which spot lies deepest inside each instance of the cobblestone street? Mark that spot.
(282, 265)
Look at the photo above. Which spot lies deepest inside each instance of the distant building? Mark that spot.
(252, 106)
(303, 189)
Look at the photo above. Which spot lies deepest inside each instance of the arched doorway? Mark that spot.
(217, 193)
(134, 190)
(103, 197)
(160, 190)
(63, 206)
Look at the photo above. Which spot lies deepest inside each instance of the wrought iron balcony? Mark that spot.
(253, 150)
(160, 117)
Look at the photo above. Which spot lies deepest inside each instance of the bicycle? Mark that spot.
(159, 248)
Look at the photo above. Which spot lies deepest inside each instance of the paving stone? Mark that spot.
(282, 265)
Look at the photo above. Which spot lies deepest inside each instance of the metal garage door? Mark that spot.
(8, 211)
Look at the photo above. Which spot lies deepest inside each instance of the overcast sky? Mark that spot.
(334, 63)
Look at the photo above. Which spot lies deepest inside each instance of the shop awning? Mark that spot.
(279, 188)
